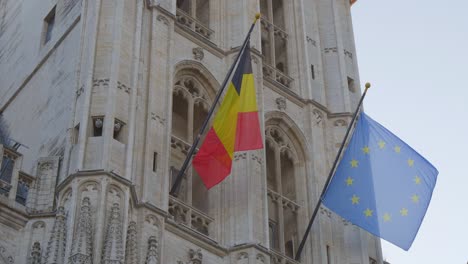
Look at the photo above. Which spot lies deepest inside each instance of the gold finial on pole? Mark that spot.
(367, 85)
(257, 17)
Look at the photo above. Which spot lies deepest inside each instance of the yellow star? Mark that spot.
(355, 199)
(387, 217)
(354, 163)
(381, 144)
(410, 162)
(417, 180)
(368, 212)
(397, 149)
(404, 212)
(365, 150)
(415, 198)
(349, 181)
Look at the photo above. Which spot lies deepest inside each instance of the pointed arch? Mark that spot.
(286, 159)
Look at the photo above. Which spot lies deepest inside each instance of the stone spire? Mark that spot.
(58, 239)
(131, 254)
(82, 241)
(152, 255)
(113, 249)
(36, 255)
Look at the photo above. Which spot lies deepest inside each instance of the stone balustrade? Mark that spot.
(193, 24)
(185, 214)
(278, 258)
(276, 76)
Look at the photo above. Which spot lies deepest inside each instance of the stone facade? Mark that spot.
(103, 98)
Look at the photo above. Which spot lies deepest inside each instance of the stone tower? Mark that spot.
(102, 100)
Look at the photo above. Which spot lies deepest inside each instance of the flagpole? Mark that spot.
(330, 175)
(210, 113)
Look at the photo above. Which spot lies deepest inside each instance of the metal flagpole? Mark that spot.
(330, 175)
(210, 113)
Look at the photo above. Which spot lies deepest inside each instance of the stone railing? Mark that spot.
(4, 188)
(278, 258)
(193, 24)
(24, 185)
(185, 214)
(276, 76)
(267, 25)
(285, 202)
(181, 145)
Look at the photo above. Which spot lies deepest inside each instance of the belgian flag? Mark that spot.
(236, 126)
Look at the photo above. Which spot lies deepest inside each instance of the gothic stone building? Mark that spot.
(102, 99)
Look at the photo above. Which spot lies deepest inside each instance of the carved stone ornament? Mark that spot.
(3, 256)
(152, 255)
(195, 256)
(198, 53)
(58, 239)
(131, 252)
(113, 246)
(260, 259)
(82, 249)
(318, 117)
(281, 103)
(36, 254)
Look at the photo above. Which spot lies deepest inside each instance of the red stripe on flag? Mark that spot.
(248, 136)
(212, 162)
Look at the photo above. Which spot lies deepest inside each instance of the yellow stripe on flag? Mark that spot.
(248, 102)
(225, 121)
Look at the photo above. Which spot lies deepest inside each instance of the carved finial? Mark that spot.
(152, 255)
(198, 53)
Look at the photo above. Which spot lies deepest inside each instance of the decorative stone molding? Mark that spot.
(195, 256)
(156, 117)
(340, 123)
(318, 117)
(325, 211)
(100, 83)
(58, 239)
(243, 258)
(163, 19)
(6, 259)
(311, 41)
(131, 251)
(36, 254)
(152, 220)
(281, 103)
(332, 49)
(82, 249)
(198, 53)
(123, 87)
(256, 158)
(240, 156)
(348, 54)
(113, 244)
(45, 165)
(79, 91)
(38, 224)
(260, 259)
(152, 255)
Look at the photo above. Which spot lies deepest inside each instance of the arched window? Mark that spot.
(189, 110)
(274, 36)
(281, 160)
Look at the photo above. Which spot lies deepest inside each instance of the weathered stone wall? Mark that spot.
(100, 199)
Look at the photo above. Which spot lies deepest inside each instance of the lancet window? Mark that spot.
(189, 109)
(195, 15)
(274, 36)
(281, 160)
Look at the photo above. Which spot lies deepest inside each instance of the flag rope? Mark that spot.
(182, 170)
(330, 175)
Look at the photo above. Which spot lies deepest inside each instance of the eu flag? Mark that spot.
(381, 184)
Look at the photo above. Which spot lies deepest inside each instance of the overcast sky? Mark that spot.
(415, 54)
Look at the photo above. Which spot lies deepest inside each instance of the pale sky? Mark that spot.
(415, 54)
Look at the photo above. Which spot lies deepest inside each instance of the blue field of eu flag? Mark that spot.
(381, 184)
